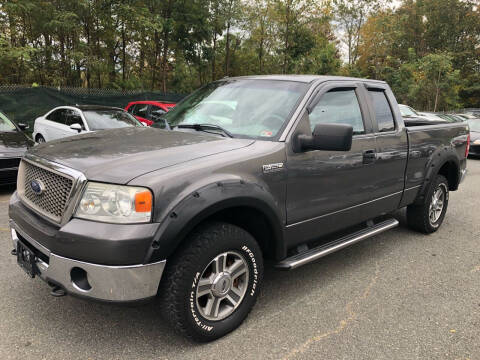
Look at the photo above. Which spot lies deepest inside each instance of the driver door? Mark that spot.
(330, 190)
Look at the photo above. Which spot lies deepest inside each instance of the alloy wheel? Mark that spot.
(222, 286)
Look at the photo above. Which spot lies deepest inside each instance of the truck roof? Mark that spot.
(304, 78)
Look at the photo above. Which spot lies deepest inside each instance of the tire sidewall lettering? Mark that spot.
(254, 278)
(192, 306)
(251, 256)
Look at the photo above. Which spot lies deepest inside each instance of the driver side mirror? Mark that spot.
(333, 137)
(23, 126)
(76, 127)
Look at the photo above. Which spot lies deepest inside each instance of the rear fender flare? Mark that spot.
(437, 160)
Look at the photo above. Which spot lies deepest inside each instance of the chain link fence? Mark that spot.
(23, 104)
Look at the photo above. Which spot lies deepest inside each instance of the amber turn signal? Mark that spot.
(143, 201)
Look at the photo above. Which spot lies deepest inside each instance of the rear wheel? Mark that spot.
(40, 139)
(211, 284)
(428, 216)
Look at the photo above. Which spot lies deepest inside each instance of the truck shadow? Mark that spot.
(77, 323)
(92, 325)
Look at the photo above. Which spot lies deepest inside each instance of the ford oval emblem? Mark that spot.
(37, 186)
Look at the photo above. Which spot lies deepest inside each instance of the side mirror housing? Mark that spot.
(23, 126)
(333, 137)
(76, 127)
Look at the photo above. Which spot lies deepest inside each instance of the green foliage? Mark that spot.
(428, 50)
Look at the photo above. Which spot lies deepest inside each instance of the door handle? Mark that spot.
(369, 156)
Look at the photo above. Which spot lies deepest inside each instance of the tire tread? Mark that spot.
(417, 214)
(172, 283)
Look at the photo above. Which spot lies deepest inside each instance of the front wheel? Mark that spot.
(428, 216)
(40, 139)
(211, 285)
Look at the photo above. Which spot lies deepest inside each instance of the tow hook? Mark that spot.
(57, 291)
(13, 252)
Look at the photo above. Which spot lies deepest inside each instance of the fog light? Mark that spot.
(80, 279)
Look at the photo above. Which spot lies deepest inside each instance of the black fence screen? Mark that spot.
(24, 104)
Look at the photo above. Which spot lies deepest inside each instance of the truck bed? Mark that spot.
(427, 143)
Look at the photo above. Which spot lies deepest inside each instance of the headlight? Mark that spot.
(115, 203)
(476, 142)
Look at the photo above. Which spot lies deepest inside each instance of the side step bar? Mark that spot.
(318, 252)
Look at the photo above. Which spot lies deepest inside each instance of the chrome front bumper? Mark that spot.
(103, 282)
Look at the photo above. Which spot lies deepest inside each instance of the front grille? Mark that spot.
(9, 163)
(56, 190)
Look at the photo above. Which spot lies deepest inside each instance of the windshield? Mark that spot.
(407, 111)
(474, 125)
(5, 124)
(251, 108)
(109, 119)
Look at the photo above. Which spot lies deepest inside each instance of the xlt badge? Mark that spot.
(272, 167)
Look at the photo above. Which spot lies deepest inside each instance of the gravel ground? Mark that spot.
(399, 295)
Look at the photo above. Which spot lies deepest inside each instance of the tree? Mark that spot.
(436, 82)
(350, 16)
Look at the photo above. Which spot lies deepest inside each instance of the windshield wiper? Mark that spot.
(205, 127)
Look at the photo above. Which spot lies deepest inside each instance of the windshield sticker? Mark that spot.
(266, 133)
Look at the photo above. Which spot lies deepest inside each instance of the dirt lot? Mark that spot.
(399, 295)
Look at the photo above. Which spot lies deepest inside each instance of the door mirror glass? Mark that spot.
(23, 126)
(76, 127)
(333, 137)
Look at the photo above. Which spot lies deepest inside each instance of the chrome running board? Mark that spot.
(318, 252)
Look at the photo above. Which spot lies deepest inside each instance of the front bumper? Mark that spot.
(105, 282)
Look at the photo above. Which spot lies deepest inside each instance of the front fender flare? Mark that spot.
(208, 200)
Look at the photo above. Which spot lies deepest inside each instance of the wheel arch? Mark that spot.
(246, 205)
(451, 171)
(446, 164)
(39, 135)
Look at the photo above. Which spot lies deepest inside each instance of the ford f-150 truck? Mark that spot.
(286, 168)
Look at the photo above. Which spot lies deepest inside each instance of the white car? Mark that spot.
(66, 121)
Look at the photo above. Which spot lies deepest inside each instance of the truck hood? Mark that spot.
(120, 155)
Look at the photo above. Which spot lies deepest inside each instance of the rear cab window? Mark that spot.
(382, 110)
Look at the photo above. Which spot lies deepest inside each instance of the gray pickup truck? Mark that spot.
(286, 168)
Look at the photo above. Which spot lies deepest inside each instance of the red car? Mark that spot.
(148, 112)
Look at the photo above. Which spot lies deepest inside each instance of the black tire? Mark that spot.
(178, 288)
(418, 215)
(40, 139)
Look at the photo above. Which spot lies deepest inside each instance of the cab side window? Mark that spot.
(156, 113)
(140, 110)
(383, 112)
(57, 116)
(339, 106)
(73, 117)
